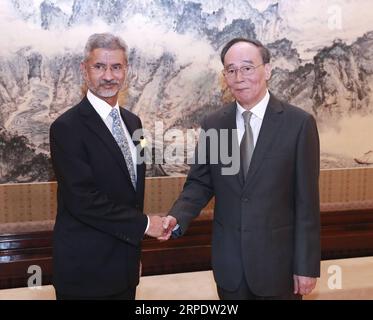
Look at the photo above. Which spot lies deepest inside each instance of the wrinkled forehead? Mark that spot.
(107, 56)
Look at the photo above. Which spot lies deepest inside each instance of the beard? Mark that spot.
(103, 92)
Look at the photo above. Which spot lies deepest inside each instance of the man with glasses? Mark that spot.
(266, 225)
(100, 222)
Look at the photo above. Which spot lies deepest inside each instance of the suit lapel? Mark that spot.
(131, 127)
(94, 122)
(271, 123)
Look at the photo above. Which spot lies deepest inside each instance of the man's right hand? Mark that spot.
(156, 228)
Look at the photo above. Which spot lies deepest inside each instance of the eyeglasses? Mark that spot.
(100, 69)
(245, 71)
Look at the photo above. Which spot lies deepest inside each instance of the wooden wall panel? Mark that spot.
(27, 215)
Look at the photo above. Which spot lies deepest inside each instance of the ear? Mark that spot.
(83, 70)
(268, 71)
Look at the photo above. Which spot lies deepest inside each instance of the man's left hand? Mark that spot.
(304, 285)
(169, 222)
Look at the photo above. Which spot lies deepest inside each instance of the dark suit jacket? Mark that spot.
(100, 223)
(267, 228)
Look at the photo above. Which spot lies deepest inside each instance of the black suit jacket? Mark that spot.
(267, 228)
(100, 223)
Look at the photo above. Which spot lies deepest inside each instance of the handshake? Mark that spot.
(161, 227)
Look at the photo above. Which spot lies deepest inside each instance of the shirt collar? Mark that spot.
(259, 109)
(101, 106)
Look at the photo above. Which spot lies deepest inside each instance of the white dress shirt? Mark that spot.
(256, 120)
(104, 109)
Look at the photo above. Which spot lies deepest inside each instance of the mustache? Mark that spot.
(106, 82)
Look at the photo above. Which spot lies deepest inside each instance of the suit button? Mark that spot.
(245, 199)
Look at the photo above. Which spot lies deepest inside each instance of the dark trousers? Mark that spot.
(129, 294)
(244, 293)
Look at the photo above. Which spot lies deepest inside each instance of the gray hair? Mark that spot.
(105, 41)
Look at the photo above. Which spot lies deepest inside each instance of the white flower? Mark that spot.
(143, 142)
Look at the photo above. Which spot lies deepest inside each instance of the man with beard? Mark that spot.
(100, 222)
